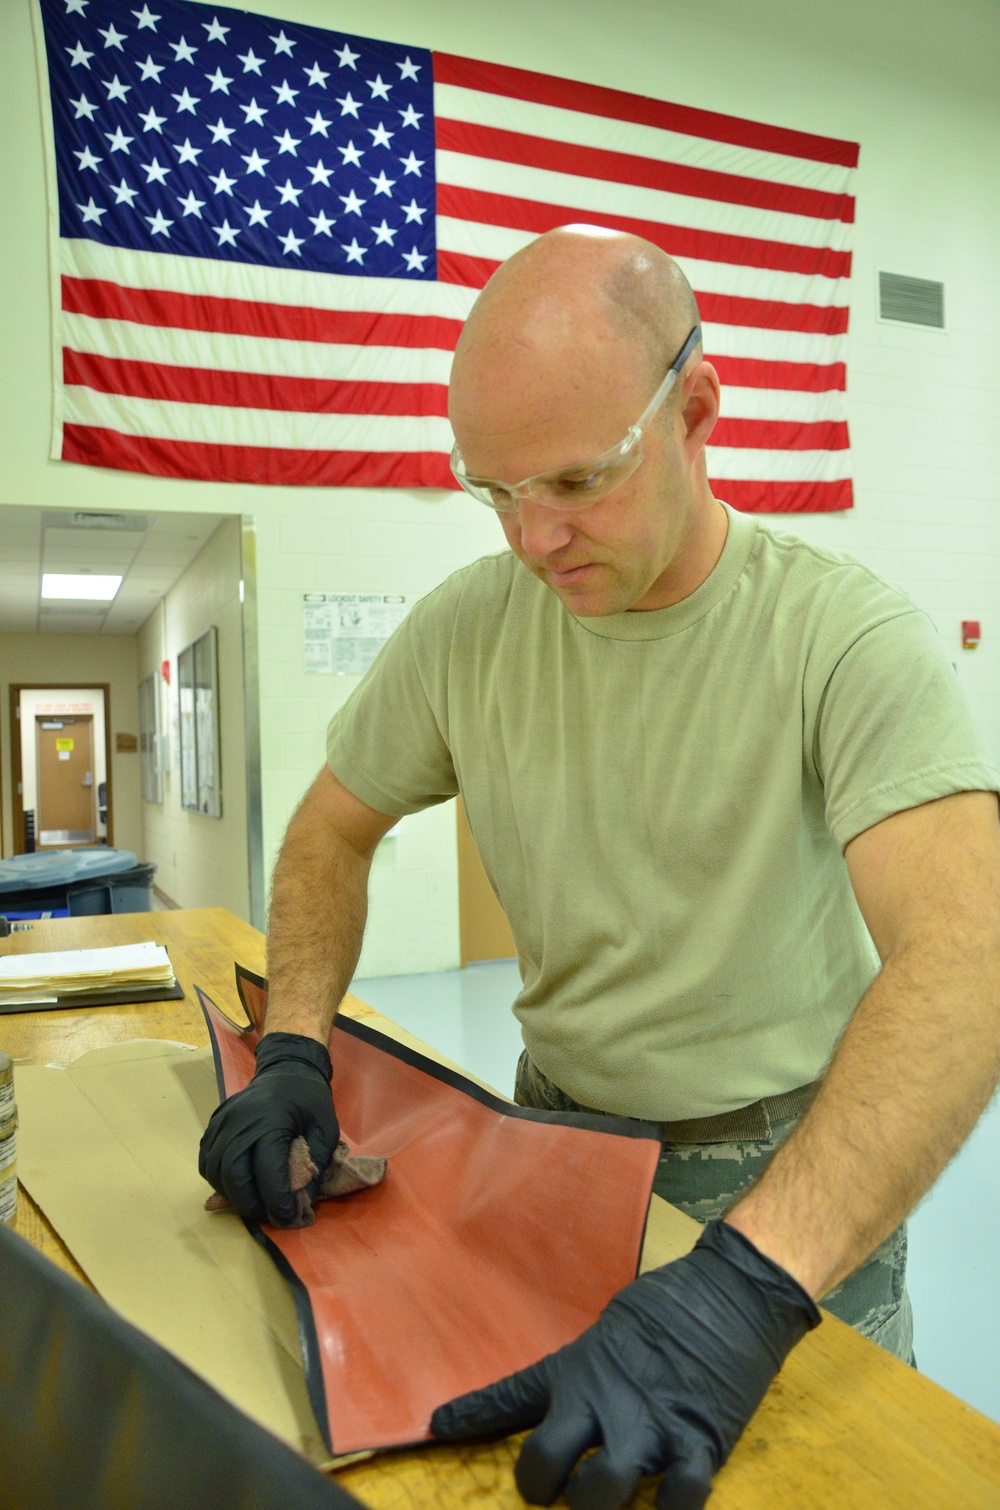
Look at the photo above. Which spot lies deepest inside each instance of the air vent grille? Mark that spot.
(912, 301)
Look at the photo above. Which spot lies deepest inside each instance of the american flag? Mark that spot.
(269, 236)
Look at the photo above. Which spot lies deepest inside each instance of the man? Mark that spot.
(708, 766)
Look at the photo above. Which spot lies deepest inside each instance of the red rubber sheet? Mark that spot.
(498, 1234)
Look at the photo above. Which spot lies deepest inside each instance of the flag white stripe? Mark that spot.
(165, 272)
(601, 196)
(772, 345)
(581, 129)
(178, 347)
(745, 464)
(278, 429)
(795, 406)
(472, 238)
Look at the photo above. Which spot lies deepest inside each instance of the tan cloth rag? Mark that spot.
(345, 1173)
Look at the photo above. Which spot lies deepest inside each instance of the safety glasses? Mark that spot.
(577, 487)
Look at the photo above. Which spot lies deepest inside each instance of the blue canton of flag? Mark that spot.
(222, 134)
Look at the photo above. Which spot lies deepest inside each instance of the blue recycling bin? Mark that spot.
(75, 883)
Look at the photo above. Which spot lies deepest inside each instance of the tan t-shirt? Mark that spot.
(662, 799)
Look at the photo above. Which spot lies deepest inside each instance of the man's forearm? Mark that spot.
(319, 903)
(911, 1076)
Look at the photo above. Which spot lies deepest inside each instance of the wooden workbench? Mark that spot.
(844, 1424)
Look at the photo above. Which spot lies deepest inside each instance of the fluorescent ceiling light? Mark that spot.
(64, 585)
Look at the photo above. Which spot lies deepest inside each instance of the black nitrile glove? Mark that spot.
(664, 1381)
(244, 1149)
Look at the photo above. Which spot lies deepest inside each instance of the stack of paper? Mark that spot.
(26, 979)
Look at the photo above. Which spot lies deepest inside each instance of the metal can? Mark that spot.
(8, 1140)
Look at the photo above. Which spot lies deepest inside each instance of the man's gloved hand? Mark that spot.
(664, 1381)
(244, 1149)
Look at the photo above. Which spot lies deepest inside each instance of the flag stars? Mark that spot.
(151, 70)
(216, 31)
(352, 204)
(380, 136)
(187, 101)
(415, 212)
(151, 121)
(282, 44)
(116, 89)
(408, 69)
(123, 194)
(255, 163)
(411, 117)
(286, 94)
(218, 81)
(79, 55)
(76, 7)
(289, 194)
(222, 182)
(288, 143)
(383, 185)
(221, 132)
(159, 225)
(351, 154)
(291, 243)
(145, 18)
(355, 253)
(321, 174)
(322, 224)
(412, 164)
(112, 38)
(190, 205)
(257, 214)
(349, 105)
(414, 260)
(379, 90)
(155, 173)
(348, 59)
(183, 51)
(317, 123)
(316, 76)
(254, 113)
(91, 212)
(384, 232)
(118, 141)
(82, 106)
(87, 159)
(226, 233)
(251, 63)
(188, 154)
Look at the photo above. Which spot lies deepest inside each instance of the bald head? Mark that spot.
(582, 320)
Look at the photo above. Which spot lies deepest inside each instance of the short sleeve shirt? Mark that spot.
(662, 799)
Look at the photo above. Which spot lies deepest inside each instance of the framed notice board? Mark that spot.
(198, 725)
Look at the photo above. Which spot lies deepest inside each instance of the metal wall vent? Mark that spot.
(92, 519)
(913, 301)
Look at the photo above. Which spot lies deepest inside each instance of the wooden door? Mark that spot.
(66, 787)
(484, 932)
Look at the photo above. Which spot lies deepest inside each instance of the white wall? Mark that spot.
(201, 861)
(915, 84)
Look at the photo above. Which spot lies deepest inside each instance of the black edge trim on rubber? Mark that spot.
(312, 1363)
(220, 1078)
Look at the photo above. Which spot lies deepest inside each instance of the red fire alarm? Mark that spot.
(970, 634)
(165, 671)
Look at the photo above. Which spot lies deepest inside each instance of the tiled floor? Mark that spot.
(954, 1234)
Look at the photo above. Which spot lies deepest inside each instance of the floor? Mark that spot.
(954, 1233)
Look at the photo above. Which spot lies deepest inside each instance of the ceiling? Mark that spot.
(150, 551)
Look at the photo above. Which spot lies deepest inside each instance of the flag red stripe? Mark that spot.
(257, 464)
(251, 390)
(644, 172)
(802, 377)
(781, 435)
(619, 105)
(785, 497)
(711, 246)
(249, 317)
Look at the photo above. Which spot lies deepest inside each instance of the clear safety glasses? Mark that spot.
(577, 487)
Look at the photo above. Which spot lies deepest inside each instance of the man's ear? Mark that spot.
(701, 400)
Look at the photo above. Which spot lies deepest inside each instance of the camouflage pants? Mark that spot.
(704, 1179)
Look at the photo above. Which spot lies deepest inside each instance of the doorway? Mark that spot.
(60, 739)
